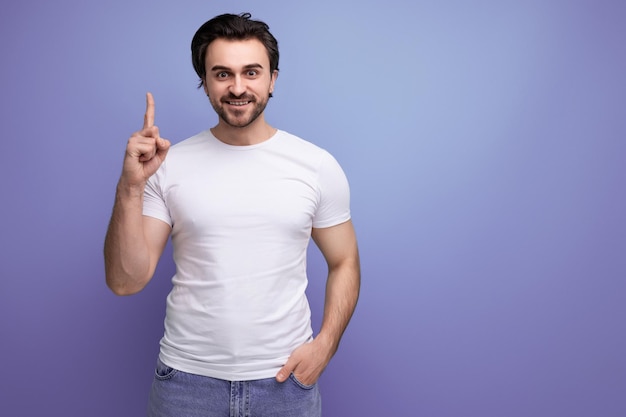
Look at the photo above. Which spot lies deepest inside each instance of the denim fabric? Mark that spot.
(179, 394)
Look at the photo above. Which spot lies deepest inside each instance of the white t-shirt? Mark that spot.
(241, 220)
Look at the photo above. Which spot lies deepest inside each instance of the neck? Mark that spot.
(257, 132)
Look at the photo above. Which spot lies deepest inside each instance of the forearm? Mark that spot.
(342, 293)
(126, 254)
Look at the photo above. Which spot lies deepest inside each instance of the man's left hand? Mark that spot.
(306, 362)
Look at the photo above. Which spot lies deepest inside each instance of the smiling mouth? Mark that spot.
(238, 103)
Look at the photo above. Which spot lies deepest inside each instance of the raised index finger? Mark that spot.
(148, 120)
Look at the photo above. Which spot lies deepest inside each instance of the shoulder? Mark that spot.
(296, 141)
(315, 162)
(191, 144)
(183, 155)
(301, 147)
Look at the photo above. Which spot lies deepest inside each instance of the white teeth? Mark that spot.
(238, 103)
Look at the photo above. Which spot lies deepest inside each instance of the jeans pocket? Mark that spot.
(163, 372)
(301, 384)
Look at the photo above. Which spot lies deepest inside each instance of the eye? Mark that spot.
(222, 74)
(252, 73)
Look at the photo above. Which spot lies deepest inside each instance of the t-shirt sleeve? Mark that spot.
(334, 194)
(153, 198)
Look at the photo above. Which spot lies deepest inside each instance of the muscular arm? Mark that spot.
(134, 243)
(339, 246)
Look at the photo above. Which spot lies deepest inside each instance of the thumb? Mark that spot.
(286, 370)
(162, 145)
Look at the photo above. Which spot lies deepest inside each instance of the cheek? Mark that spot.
(213, 92)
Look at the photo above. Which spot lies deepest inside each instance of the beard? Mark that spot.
(239, 118)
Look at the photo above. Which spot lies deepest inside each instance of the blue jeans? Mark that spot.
(179, 394)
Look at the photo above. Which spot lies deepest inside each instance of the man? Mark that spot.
(241, 202)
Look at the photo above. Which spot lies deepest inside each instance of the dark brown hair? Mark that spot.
(232, 27)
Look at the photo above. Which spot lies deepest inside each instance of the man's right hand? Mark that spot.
(134, 242)
(145, 151)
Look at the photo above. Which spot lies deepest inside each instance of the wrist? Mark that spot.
(326, 342)
(130, 190)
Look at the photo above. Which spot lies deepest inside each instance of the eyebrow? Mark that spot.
(246, 67)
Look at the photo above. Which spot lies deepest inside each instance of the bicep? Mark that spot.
(156, 232)
(337, 243)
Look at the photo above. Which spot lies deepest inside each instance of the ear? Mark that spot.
(273, 80)
(204, 87)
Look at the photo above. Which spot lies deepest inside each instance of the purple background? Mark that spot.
(485, 143)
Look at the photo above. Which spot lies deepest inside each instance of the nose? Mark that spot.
(238, 87)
